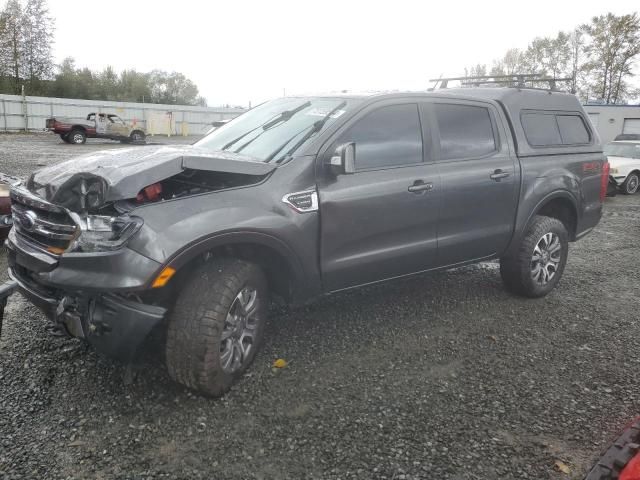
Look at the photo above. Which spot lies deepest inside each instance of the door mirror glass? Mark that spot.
(343, 161)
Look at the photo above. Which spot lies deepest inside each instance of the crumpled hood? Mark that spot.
(124, 172)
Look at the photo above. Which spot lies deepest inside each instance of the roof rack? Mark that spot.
(519, 80)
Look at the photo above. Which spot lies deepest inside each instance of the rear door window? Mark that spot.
(387, 137)
(466, 131)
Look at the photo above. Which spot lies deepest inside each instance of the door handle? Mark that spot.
(498, 174)
(420, 186)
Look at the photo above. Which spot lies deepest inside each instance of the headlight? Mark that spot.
(101, 233)
(613, 170)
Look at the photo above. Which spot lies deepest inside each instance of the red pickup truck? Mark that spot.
(96, 125)
(6, 221)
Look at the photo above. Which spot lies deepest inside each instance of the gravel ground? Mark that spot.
(443, 376)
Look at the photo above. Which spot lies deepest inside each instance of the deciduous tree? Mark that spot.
(613, 44)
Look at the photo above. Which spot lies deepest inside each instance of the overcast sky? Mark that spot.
(238, 51)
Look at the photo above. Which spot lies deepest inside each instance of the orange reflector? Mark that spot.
(162, 279)
(55, 250)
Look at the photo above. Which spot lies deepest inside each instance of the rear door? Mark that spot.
(381, 221)
(479, 181)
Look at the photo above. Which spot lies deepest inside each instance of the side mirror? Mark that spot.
(343, 161)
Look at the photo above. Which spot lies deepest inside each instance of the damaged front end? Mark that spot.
(72, 223)
(76, 291)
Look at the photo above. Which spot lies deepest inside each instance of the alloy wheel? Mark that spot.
(546, 258)
(240, 329)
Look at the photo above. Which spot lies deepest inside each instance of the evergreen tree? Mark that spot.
(12, 44)
(38, 32)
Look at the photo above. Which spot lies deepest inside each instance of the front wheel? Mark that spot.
(537, 265)
(631, 184)
(217, 325)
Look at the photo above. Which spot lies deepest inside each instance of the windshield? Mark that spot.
(627, 150)
(275, 129)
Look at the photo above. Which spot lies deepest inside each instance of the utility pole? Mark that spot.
(24, 110)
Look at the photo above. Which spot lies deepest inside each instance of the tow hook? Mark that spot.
(6, 290)
(68, 317)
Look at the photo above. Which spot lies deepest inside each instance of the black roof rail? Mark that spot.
(517, 79)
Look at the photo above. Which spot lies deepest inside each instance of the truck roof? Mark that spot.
(513, 101)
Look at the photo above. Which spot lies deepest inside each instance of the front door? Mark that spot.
(479, 181)
(381, 221)
(116, 127)
(101, 124)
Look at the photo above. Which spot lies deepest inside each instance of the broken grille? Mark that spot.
(43, 224)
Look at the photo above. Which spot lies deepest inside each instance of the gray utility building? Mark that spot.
(612, 120)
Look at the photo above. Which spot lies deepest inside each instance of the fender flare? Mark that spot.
(552, 196)
(521, 229)
(191, 251)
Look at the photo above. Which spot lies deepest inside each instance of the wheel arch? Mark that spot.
(279, 262)
(78, 127)
(635, 170)
(562, 206)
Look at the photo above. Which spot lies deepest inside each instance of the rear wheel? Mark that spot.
(137, 136)
(77, 137)
(537, 266)
(217, 325)
(631, 184)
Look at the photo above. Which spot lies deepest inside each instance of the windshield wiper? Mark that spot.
(281, 117)
(315, 128)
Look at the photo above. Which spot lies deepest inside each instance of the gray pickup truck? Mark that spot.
(298, 198)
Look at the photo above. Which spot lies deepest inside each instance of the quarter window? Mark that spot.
(572, 129)
(389, 136)
(466, 131)
(541, 129)
(550, 129)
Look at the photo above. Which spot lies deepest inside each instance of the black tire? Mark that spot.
(137, 136)
(519, 272)
(631, 184)
(77, 137)
(195, 346)
(65, 137)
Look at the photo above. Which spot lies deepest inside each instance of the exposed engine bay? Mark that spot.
(107, 183)
(187, 183)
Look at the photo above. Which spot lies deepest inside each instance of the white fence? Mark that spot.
(29, 113)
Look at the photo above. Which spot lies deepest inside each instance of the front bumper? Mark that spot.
(88, 296)
(617, 180)
(114, 325)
